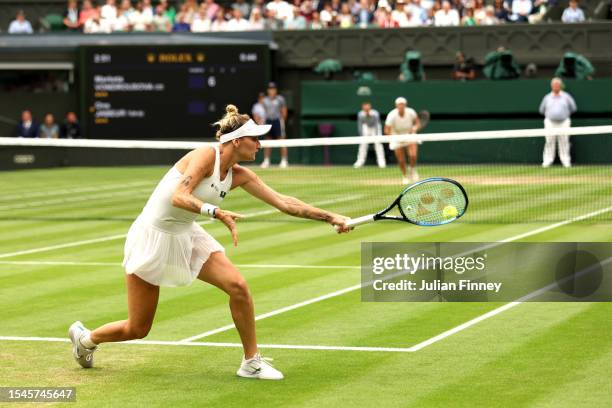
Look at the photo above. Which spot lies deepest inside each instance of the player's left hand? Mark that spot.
(229, 219)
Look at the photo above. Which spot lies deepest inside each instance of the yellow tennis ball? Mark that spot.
(450, 211)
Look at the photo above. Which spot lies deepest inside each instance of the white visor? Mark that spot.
(248, 129)
(401, 99)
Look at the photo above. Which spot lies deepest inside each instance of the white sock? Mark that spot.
(86, 342)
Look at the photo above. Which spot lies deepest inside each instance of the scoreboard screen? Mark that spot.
(167, 92)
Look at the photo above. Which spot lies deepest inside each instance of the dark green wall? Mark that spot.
(462, 107)
(325, 98)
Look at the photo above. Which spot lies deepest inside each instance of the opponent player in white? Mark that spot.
(368, 124)
(166, 247)
(403, 120)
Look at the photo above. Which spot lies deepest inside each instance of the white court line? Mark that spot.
(358, 286)
(254, 266)
(80, 199)
(214, 344)
(120, 236)
(64, 191)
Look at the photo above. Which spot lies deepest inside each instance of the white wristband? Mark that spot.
(208, 209)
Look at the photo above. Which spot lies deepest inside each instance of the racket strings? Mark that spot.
(433, 203)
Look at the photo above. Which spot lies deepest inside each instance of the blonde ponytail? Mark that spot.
(231, 121)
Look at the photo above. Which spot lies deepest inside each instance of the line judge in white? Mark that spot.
(557, 107)
(166, 247)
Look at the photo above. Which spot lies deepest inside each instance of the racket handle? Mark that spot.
(353, 222)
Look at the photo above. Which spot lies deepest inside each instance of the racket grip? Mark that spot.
(353, 222)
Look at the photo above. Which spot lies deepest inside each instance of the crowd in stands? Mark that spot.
(28, 126)
(207, 15)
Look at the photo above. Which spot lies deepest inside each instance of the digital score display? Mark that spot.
(167, 92)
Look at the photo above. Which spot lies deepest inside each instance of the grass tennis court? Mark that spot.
(61, 244)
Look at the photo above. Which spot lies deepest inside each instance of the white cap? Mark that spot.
(401, 99)
(250, 128)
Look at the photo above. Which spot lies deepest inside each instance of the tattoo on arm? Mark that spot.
(186, 181)
(298, 208)
(193, 203)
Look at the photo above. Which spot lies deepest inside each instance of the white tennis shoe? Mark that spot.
(258, 367)
(265, 164)
(283, 164)
(82, 355)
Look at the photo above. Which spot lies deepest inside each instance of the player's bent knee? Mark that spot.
(239, 289)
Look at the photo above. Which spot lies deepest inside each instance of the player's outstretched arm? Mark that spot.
(252, 184)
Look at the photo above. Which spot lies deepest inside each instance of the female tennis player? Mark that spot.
(166, 247)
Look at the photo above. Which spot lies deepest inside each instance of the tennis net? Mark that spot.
(501, 171)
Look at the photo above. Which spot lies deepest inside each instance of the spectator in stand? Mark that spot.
(121, 23)
(27, 127)
(345, 17)
(315, 21)
(383, 15)
(437, 6)
(256, 21)
(49, 129)
(489, 18)
(464, 68)
(399, 17)
(540, 7)
(447, 16)
(419, 13)
(212, 9)
(468, 17)
(573, 14)
(306, 9)
(170, 11)
(219, 23)
(354, 6)
(147, 9)
(71, 16)
(283, 10)
(364, 16)
(479, 11)
(201, 23)
(70, 129)
(336, 5)
(327, 15)
(183, 20)
(501, 11)
(108, 11)
(272, 22)
(96, 24)
(161, 21)
(87, 12)
(521, 9)
(126, 9)
(244, 7)
(20, 25)
(140, 20)
(237, 22)
(298, 22)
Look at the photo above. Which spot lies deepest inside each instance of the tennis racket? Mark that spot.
(424, 117)
(429, 202)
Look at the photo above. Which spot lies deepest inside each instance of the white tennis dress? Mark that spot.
(165, 246)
